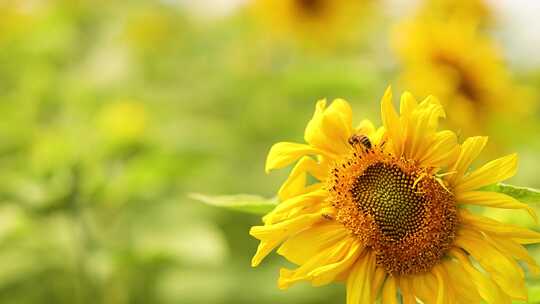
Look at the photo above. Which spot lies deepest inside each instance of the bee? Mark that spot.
(327, 216)
(360, 139)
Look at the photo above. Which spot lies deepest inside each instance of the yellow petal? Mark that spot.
(470, 149)
(493, 199)
(487, 289)
(301, 247)
(310, 202)
(493, 172)
(378, 280)
(294, 185)
(338, 118)
(284, 153)
(442, 150)
(324, 267)
(407, 104)
(405, 285)
(515, 250)
(460, 282)
(379, 135)
(504, 271)
(329, 273)
(425, 287)
(442, 290)
(330, 128)
(365, 127)
(313, 126)
(359, 283)
(420, 127)
(296, 182)
(272, 235)
(391, 122)
(436, 111)
(389, 293)
(487, 225)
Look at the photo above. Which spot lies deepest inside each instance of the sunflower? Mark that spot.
(477, 10)
(455, 61)
(311, 20)
(387, 213)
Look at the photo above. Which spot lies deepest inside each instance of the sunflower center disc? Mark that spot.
(387, 193)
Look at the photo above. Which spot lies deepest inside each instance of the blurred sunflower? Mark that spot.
(311, 20)
(387, 212)
(454, 61)
(477, 10)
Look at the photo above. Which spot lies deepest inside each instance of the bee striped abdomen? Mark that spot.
(360, 139)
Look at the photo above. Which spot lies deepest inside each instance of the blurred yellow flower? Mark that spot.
(387, 212)
(477, 10)
(123, 120)
(455, 61)
(323, 21)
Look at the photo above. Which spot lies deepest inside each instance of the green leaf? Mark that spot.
(523, 194)
(240, 202)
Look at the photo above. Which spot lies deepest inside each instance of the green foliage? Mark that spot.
(239, 202)
(523, 194)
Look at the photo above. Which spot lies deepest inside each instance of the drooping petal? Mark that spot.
(360, 281)
(493, 199)
(407, 292)
(470, 149)
(310, 202)
(515, 250)
(425, 287)
(308, 243)
(325, 266)
(378, 280)
(283, 154)
(443, 295)
(504, 271)
(389, 292)
(460, 282)
(487, 289)
(493, 172)
(272, 235)
(296, 182)
(484, 224)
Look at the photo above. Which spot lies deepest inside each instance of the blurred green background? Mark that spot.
(113, 111)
